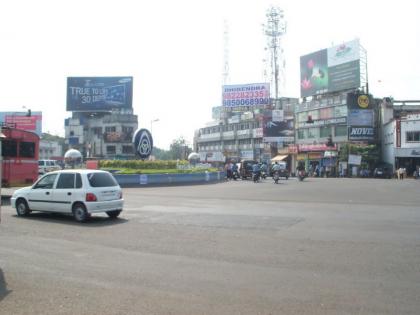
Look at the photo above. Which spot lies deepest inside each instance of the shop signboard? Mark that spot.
(355, 159)
(324, 122)
(361, 133)
(359, 101)
(316, 147)
(278, 115)
(407, 152)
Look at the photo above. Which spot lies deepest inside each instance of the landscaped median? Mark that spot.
(146, 173)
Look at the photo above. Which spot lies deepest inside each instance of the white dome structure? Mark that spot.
(73, 157)
(193, 156)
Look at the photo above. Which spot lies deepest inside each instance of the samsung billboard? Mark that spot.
(329, 70)
(99, 93)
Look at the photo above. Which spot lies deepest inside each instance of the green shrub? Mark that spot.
(140, 165)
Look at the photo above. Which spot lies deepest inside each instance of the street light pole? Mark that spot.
(151, 124)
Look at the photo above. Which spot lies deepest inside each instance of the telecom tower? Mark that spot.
(225, 52)
(275, 63)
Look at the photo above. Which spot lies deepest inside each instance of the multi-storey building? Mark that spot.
(242, 135)
(50, 149)
(328, 121)
(102, 135)
(401, 134)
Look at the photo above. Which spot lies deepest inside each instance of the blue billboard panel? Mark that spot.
(99, 93)
(361, 117)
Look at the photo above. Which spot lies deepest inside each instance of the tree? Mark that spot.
(179, 149)
(161, 154)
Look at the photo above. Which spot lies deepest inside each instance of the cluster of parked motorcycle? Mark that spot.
(251, 169)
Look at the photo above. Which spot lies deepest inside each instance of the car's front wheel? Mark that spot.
(79, 212)
(22, 208)
(113, 214)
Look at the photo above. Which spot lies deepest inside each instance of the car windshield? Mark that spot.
(101, 180)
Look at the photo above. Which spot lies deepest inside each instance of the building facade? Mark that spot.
(401, 134)
(49, 149)
(102, 135)
(238, 135)
(327, 122)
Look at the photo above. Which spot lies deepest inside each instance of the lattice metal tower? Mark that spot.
(275, 63)
(225, 52)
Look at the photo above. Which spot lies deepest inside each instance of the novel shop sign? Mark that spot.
(361, 133)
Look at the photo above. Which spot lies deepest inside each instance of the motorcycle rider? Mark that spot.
(263, 168)
(276, 171)
(235, 173)
(256, 171)
(300, 169)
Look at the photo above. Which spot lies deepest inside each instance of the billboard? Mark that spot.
(99, 93)
(255, 94)
(21, 120)
(328, 70)
(277, 131)
(360, 117)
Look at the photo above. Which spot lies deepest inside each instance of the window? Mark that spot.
(110, 129)
(324, 132)
(9, 148)
(314, 114)
(47, 182)
(78, 181)
(326, 113)
(340, 131)
(110, 149)
(127, 149)
(313, 133)
(340, 111)
(97, 130)
(301, 133)
(412, 136)
(301, 117)
(101, 180)
(65, 181)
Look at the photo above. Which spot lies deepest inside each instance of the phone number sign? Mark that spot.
(246, 95)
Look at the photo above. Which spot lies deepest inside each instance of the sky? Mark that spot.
(174, 51)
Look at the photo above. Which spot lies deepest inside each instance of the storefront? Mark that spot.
(408, 158)
(317, 158)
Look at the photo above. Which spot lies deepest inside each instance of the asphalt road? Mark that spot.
(323, 246)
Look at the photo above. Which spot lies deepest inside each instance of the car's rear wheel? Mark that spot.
(79, 212)
(113, 214)
(22, 208)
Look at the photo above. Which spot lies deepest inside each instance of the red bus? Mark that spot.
(20, 151)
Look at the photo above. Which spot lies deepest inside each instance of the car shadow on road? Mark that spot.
(93, 221)
(3, 286)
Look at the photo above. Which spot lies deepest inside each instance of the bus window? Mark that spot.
(27, 149)
(9, 148)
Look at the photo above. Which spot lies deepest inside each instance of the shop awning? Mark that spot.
(279, 158)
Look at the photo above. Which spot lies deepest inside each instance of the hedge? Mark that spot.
(141, 165)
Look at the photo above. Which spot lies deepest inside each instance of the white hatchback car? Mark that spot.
(77, 192)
